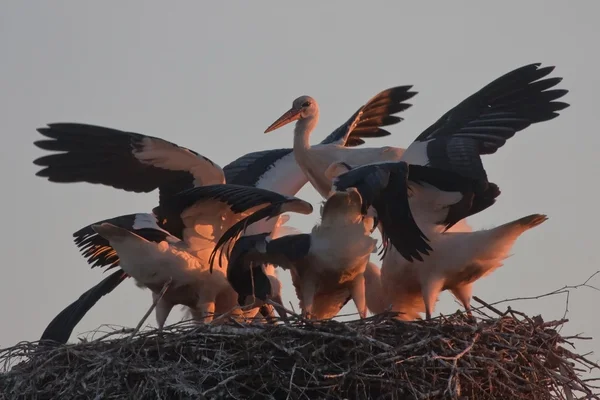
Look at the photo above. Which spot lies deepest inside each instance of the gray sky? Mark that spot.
(212, 76)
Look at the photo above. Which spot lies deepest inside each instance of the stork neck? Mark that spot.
(302, 132)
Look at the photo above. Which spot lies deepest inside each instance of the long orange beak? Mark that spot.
(289, 116)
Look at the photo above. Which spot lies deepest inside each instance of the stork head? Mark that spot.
(303, 107)
(343, 206)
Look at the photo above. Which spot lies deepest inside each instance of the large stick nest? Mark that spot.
(509, 357)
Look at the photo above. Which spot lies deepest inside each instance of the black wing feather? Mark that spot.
(483, 122)
(101, 155)
(248, 278)
(384, 187)
(248, 169)
(368, 120)
(246, 275)
(477, 195)
(223, 245)
(238, 198)
(97, 250)
(292, 247)
(514, 99)
(60, 328)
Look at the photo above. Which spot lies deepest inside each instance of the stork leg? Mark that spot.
(204, 311)
(358, 295)
(267, 312)
(463, 294)
(431, 291)
(309, 288)
(279, 307)
(163, 309)
(250, 313)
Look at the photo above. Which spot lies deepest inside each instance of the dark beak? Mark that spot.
(289, 116)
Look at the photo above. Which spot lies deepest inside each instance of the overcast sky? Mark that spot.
(213, 75)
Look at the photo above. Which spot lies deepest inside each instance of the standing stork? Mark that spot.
(454, 144)
(150, 252)
(141, 163)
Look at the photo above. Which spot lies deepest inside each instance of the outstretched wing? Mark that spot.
(367, 121)
(123, 160)
(273, 210)
(60, 328)
(483, 122)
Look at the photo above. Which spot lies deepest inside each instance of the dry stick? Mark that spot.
(282, 312)
(228, 314)
(563, 290)
(152, 307)
(566, 388)
(287, 310)
(494, 309)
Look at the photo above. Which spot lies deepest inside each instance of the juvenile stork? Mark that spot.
(171, 247)
(141, 163)
(479, 125)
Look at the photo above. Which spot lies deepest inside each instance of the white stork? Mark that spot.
(326, 265)
(452, 187)
(141, 163)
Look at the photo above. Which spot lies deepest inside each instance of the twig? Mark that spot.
(489, 306)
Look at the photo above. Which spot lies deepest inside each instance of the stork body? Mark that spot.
(152, 265)
(333, 269)
(457, 261)
(401, 292)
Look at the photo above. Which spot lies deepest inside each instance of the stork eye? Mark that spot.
(306, 104)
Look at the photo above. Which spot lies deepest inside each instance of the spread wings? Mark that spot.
(123, 160)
